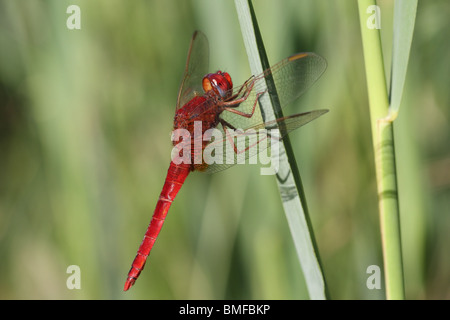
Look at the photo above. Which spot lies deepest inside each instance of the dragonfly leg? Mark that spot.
(232, 102)
(226, 125)
(235, 104)
(247, 89)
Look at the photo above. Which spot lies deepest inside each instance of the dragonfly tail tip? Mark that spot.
(128, 284)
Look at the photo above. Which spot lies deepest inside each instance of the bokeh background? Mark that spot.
(85, 122)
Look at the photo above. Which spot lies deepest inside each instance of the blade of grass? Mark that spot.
(383, 144)
(403, 29)
(291, 189)
(404, 20)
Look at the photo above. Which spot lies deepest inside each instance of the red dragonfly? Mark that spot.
(210, 100)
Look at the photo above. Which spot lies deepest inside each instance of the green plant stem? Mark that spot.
(383, 144)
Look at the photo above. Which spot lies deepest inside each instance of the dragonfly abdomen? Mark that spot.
(176, 175)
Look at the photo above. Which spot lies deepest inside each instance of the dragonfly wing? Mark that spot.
(238, 146)
(196, 68)
(292, 77)
(297, 74)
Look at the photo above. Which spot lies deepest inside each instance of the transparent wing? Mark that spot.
(251, 135)
(241, 146)
(292, 77)
(196, 68)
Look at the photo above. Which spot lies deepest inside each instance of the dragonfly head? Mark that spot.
(220, 82)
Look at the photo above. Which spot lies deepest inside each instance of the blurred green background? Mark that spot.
(85, 122)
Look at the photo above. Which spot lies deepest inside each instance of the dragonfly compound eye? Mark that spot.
(206, 83)
(219, 82)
